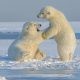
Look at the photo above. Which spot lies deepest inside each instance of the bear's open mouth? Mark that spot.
(38, 29)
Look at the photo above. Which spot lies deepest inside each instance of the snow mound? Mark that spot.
(46, 64)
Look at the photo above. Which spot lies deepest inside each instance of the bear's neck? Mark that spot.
(32, 33)
(52, 22)
(29, 34)
(58, 20)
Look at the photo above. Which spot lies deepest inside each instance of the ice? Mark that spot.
(2, 78)
(17, 26)
(49, 67)
(47, 64)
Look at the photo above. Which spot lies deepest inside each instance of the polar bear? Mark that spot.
(60, 30)
(26, 46)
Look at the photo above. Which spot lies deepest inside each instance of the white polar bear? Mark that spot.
(26, 46)
(61, 30)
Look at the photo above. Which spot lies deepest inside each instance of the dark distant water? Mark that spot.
(9, 35)
(14, 35)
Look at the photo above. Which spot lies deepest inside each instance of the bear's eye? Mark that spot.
(27, 28)
(48, 13)
(34, 24)
(42, 13)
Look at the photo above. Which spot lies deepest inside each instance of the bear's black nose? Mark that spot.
(40, 25)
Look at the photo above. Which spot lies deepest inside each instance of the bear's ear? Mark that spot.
(25, 24)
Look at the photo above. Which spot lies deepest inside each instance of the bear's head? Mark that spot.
(47, 12)
(31, 28)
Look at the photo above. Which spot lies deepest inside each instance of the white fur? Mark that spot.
(26, 46)
(61, 30)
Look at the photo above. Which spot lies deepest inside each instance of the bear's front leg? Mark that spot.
(39, 55)
(50, 32)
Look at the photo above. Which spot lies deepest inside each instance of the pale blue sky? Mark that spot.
(26, 10)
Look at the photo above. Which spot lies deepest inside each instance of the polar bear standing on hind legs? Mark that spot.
(61, 30)
(26, 47)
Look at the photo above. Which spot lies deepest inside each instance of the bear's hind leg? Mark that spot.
(65, 57)
(70, 56)
(66, 53)
(39, 55)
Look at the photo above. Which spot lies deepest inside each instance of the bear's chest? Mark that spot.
(38, 39)
(27, 45)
